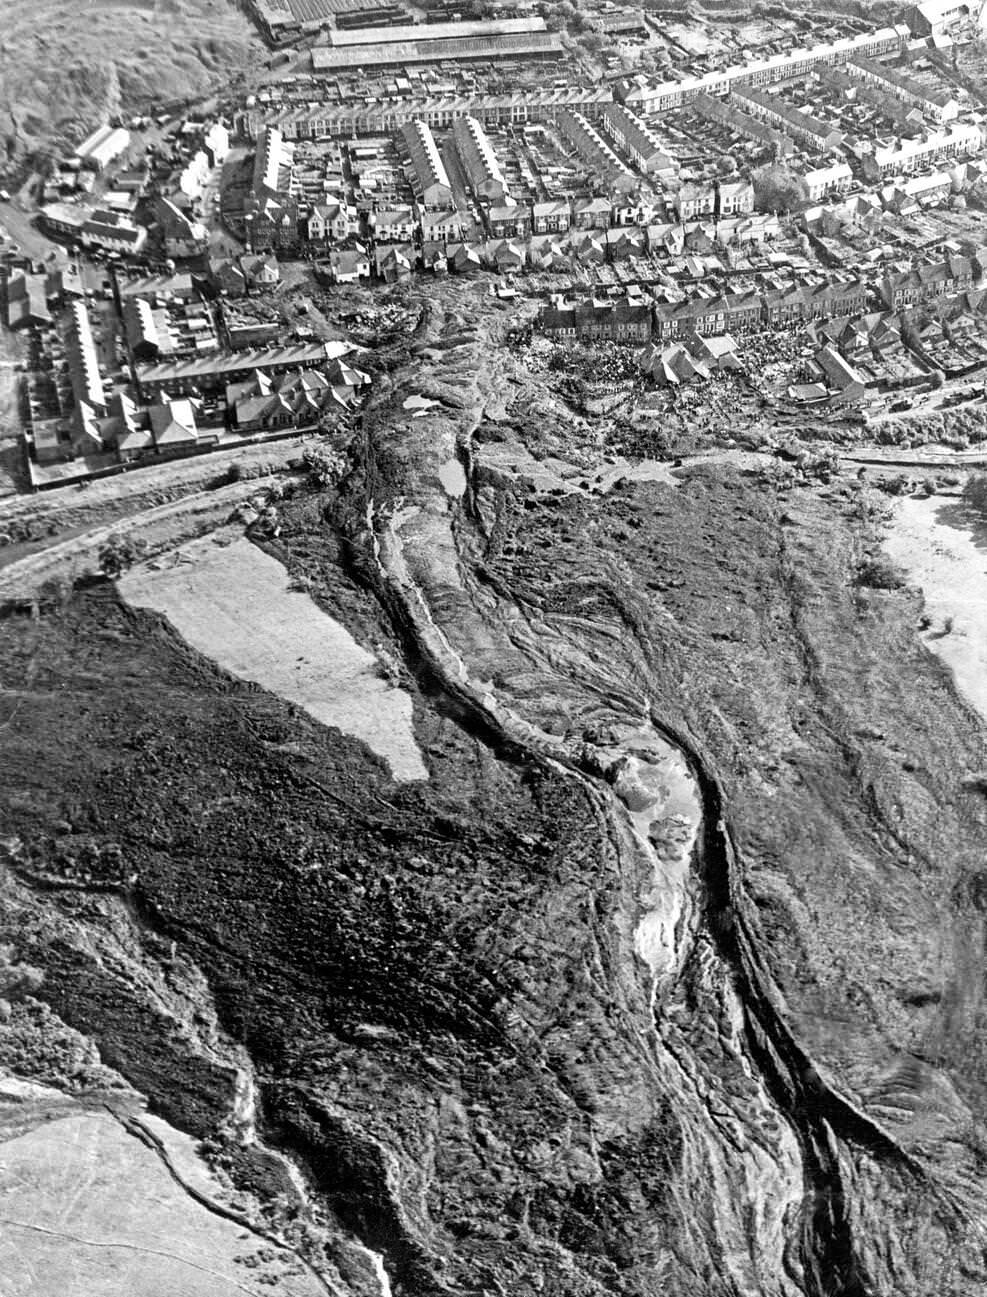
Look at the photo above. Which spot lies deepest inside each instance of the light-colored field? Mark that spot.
(950, 564)
(86, 1210)
(232, 602)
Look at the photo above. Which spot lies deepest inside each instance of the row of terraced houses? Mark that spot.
(635, 320)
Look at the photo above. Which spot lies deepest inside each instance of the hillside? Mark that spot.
(516, 1035)
(64, 67)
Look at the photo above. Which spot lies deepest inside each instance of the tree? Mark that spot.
(779, 189)
(881, 574)
(975, 494)
(326, 466)
(117, 555)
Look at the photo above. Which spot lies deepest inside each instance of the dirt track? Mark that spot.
(160, 527)
(32, 523)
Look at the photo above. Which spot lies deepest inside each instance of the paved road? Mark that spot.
(18, 224)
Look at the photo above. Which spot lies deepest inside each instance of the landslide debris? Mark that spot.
(434, 988)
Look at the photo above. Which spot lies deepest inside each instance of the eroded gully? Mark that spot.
(670, 824)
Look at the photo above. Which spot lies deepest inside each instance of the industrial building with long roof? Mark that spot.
(437, 43)
(103, 146)
(435, 31)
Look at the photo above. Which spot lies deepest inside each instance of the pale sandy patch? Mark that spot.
(951, 568)
(453, 478)
(232, 603)
(86, 1210)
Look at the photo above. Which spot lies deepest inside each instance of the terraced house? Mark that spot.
(513, 222)
(480, 162)
(822, 182)
(605, 167)
(433, 187)
(726, 113)
(734, 198)
(270, 210)
(592, 214)
(441, 227)
(907, 287)
(664, 96)
(595, 321)
(940, 105)
(553, 217)
(342, 121)
(800, 126)
(722, 313)
(961, 139)
(642, 144)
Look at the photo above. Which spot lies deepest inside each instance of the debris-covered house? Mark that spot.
(261, 271)
(394, 262)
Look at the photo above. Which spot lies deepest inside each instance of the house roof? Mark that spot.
(173, 422)
(394, 216)
(27, 300)
(556, 207)
(252, 408)
(347, 262)
(509, 213)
